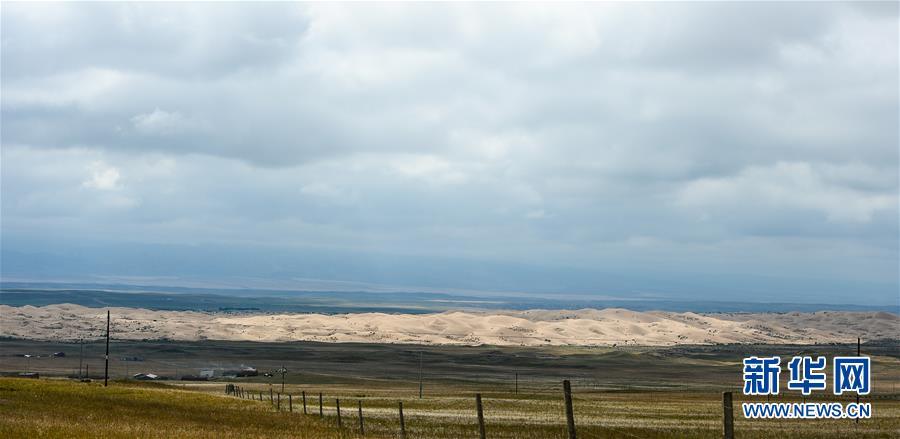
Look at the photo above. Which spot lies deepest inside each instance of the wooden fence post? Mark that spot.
(570, 413)
(279, 401)
(337, 403)
(271, 398)
(480, 412)
(728, 432)
(362, 428)
(402, 424)
(304, 401)
(321, 413)
(290, 403)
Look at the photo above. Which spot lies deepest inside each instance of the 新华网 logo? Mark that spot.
(807, 374)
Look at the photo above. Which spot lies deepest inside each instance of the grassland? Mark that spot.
(60, 408)
(623, 393)
(65, 409)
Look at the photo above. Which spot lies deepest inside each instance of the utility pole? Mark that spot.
(81, 360)
(283, 371)
(106, 369)
(420, 374)
(858, 353)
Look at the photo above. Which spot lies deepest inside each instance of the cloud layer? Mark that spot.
(752, 140)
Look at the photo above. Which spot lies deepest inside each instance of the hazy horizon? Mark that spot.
(726, 151)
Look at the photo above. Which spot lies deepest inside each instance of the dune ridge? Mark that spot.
(587, 327)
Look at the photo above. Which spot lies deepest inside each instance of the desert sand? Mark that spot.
(587, 327)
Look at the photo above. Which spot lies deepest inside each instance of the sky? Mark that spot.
(727, 151)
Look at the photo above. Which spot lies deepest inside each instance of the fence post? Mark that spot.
(402, 424)
(271, 398)
(321, 413)
(304, 401)
(290, 403)
(362, 428)
(570, 414)
(337, 403)
(279, 402)
(480, 412)
(728, 432)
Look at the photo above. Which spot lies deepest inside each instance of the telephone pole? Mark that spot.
(81, 360)
(858, 354)
(420, 374)
(106, 368)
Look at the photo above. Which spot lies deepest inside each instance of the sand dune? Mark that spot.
(604, 327)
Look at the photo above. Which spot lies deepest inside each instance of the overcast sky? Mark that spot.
(657, 144)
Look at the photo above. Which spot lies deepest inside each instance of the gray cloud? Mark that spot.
(639, 138)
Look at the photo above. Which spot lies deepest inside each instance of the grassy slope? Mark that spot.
(51, 408)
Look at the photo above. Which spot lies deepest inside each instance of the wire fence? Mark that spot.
(556, 413)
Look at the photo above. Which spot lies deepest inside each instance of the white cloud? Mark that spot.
(88, 88)
(537, 214)
(102, 177)
(429, 168)
(160, 122)
(791, 185)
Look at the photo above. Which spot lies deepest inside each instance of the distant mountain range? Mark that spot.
(329, 302)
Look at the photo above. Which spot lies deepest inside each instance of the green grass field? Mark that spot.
(62, 408)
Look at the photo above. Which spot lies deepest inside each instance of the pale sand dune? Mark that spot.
(588, 327)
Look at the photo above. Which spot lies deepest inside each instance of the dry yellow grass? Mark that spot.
(65, 409)
(57, 408)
